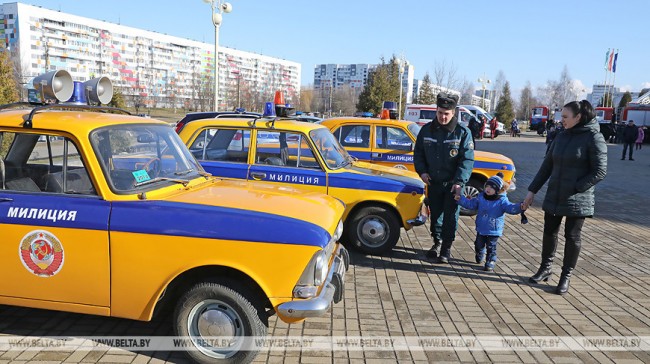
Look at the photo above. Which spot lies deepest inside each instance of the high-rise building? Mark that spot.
(149, 68)
(598, 93)
(329, 77)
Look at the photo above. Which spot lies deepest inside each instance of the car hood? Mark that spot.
(234, 210)
(492, 157)
(373, 176)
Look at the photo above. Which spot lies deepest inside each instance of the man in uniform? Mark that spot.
(444, 158)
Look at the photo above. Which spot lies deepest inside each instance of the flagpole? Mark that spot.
(606, 74)
(611, 97)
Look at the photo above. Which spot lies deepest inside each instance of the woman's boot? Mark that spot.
(549, 243)
(543, 273)
(563, 285)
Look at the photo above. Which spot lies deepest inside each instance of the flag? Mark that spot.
(611, 60)
(606, 59)
(614, 65)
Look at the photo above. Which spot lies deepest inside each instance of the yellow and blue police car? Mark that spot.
(110, 214)
(390, 143)
(379, 200)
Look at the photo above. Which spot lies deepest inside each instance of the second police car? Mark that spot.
(379, 200)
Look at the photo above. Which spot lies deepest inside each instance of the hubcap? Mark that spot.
(373, 231)
(469, 192)
(215, 328)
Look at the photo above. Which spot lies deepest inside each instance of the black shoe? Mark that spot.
(623, 158)
(443, 259)
(435, 249)
(631, 159)
(543, 273)
(563, 285)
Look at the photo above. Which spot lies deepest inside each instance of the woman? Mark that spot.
(639, 139)
(575, 162)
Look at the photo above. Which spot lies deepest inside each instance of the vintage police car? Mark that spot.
(111, 215)
(379, 200)
(390, 143)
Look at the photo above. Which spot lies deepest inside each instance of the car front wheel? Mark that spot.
(219, 321)
(373, 230)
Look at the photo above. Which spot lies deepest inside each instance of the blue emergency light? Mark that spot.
(269, 109)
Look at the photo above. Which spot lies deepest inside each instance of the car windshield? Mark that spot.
(329, 148)
(414, 128)
(139, 158)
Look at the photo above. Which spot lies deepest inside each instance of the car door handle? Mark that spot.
(376, 155)
(258, 176)
(6, 199)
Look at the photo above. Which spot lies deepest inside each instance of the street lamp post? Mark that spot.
(218, 8)
(484, 81)
(401, 71)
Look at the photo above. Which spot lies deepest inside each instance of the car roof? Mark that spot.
(361, 120)
(284, 124)
(76, 122)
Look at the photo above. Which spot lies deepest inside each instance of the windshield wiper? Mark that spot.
(183, 173)
(158, 179)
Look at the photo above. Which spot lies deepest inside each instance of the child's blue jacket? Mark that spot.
(490, 217)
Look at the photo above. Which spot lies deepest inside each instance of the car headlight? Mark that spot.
(320, 268)
(339, 232)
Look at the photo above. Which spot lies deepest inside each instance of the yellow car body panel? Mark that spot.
(486, 164)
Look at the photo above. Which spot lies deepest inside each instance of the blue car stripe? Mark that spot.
(214, 222)
(494, 165)
(374, 183)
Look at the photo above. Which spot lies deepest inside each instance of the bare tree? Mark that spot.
(526, 102)
(344, 100)
(444, 75)
(499, 83)
(466, 92)
(306, 98)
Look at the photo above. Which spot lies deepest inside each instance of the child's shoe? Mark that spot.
(480, 256)
(489, 265)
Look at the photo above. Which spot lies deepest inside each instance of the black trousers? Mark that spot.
(572, 232)
(625, 146)
(444, 212)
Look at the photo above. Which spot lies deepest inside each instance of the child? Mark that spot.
(492, 204)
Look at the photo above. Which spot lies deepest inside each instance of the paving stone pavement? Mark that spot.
(402, 295)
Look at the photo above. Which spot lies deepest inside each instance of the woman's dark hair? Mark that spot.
(583, 108)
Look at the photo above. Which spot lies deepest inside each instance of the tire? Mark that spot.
(232, 314)
(373, 230)
(472, 189)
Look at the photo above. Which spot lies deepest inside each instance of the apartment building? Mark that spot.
(150, 68)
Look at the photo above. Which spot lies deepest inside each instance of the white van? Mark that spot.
(423, 114)
(478, 111)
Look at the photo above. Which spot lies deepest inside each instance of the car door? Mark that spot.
(287, 157)
(53, 227)
(356, 139)
(393, 147)
(223, 152)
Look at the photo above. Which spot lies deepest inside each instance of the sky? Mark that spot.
(529, 40)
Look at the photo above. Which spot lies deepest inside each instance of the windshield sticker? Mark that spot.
(41, 253)
(141, 176)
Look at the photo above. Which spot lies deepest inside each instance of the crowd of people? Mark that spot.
(578, 154)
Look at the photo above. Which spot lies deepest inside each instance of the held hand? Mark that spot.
(457, 197)
(523, 207)
(425, 178)
(528, 201)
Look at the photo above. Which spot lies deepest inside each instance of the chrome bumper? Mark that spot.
(331, 292)
(421, 219)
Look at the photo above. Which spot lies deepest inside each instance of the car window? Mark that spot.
(388, 137)
(44, 163)
(414, 128)
(217, 144)
(141, 157)
(284, 149)
(357, 136)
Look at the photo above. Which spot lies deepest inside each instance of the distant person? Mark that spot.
(630, 134)
(482, 129)
(493, 127)
(551, 133)
(619, 132)
(514, 128)
(492, 205)
(639, 139)
(474, 127)
(574, 164)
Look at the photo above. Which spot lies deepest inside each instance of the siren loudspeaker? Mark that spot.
(99, 90)
(55, 85)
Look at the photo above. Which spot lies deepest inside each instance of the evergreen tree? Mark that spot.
(426, 92)
(382, 85)
(606, 100)
(117, 100)
(627, 97)
(505, 111)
